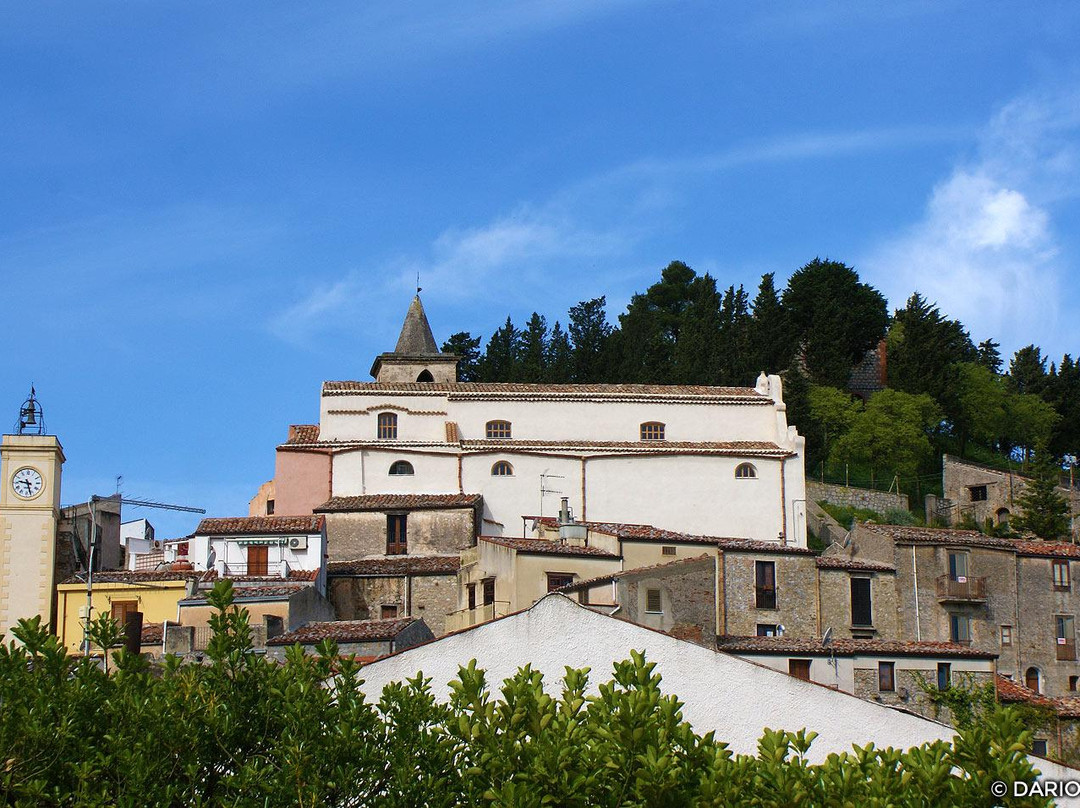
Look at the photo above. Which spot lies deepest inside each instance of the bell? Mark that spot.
(29, 414)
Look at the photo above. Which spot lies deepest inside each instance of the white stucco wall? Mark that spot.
(733, 697)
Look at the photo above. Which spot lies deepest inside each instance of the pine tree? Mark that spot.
(770, 335)
(560, 357)
(534, 350)
(737, 363)
(502, 358)
(696, 354)
(1043, 510)
(589, 334)
(467, 349)
(1027, 370)
(990, 356)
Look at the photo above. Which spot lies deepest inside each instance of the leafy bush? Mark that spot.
(243, 731)
(901, 516)
(847, 516)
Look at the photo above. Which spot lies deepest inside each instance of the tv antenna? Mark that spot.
(544, 477)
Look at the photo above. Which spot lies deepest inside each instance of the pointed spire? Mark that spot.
(416, 338)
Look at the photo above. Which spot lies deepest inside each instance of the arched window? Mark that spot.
(1003, 516)
(401, 468)
(387, 426)
(652, 430)
(1031, 679)
(745, 471)
(425, 376)
(502, 469)
(498, 429)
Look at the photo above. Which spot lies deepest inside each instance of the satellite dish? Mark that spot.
(826, 638)
(211, 559)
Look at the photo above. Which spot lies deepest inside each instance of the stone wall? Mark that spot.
(431, 597)
(849, 496)
(687, 597)
(909, 693)
(796, 594)
(834, 588)
(430, 532)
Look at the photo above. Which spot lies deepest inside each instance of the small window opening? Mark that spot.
(653, 603)
(401, 468)
(387, 426)
(652, 430)
(886, 673)
(502, 469)
(498, 429)
(745, 471)
(425, 376)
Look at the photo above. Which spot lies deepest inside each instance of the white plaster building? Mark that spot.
(701, 460)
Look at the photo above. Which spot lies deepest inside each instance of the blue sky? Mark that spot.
(206, 209)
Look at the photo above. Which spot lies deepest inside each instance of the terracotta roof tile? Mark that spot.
(740, 448)
(545, 547)
(152, 632)
(138, 576)
(344, 631)
(599, 579)
(844, 647)
(903, 534)
(302, 433)
(839, 562)
(293, 576)
(649, 533)
(332, 388)
(247, 591)
(396, 565)
(260, 525)
(379, 502)
(1048, 549)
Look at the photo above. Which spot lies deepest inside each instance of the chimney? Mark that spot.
(571, 532)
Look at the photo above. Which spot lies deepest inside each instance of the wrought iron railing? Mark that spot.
(961, 588)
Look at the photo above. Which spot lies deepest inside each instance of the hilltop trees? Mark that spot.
(1043, 510)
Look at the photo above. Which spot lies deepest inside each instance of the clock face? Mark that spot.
(26, 482)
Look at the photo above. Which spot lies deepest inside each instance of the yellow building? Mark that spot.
(155, 594)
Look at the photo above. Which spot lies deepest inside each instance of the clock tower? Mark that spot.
(30, 464)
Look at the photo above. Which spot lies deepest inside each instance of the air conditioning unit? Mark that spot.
(298, 543)
(157, 544)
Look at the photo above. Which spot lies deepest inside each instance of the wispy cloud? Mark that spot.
(985, 248)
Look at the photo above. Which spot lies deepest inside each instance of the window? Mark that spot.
(557, 580)
(471, 589)
(765, 584)
(489, 591)
(269, 507)
(958, 566)
(799, 668)
(766, 630)
(977, 492)
(862, 613)
(1038, 747)
(401, 468)
(1031, 679)
(1006, 635)
(960, 629)
(668, 550)
(502, 469)
(1073, 680)
(653, 604)
(1003, 516)
(122, 608)
(388, 612)
(1061, 575)
(425, 376)
(387, 426)
(498, 429)
(886, 677)
(258, 559)
(944, 675)
(745, 471)
(1066, 636)
(396, 534)
(652, 430)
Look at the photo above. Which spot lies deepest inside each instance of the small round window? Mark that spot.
(400, 468)
(745, 471)
(502, 469)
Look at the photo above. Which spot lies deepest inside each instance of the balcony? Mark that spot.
(964, 590)
(465, 618)
(1066, 649)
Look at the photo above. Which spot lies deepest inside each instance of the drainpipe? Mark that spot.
(408, 600)
(783, 499)
(915, 571)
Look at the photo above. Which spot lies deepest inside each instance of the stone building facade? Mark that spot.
(364, 639)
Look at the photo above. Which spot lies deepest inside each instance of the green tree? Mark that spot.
(924, 348)
(697, 348)
(589, 335)
(501, 361)
(770, 338)
(560, 357)
(1043, 510)
(467, 349)
(891, 434)
(978, 405)
(833, 412)
(649, 329)
(1029, 422)
(1027, 370)
(990, 356)
(534, 350)
(734, 353)
(834, 317)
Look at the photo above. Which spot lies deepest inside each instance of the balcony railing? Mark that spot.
(1066, 649)
(962, 589)
(271, 569)
(464, 618)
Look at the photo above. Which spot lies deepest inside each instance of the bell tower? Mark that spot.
(30, 466)
(416, 358)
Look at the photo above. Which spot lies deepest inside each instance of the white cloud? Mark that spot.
(985, 249)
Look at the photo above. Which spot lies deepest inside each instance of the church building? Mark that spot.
(718, 461)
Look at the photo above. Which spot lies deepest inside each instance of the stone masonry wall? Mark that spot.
(835, 592)
(909, 694)
(432, 597)
(880, 501)
(687, 595)
(796, 594)
(361, 535)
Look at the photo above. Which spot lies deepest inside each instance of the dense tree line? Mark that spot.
(244, 731)
(944, 392)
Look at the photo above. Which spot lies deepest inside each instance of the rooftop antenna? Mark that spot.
(544, 477)
(31, 416)
(418, 288)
